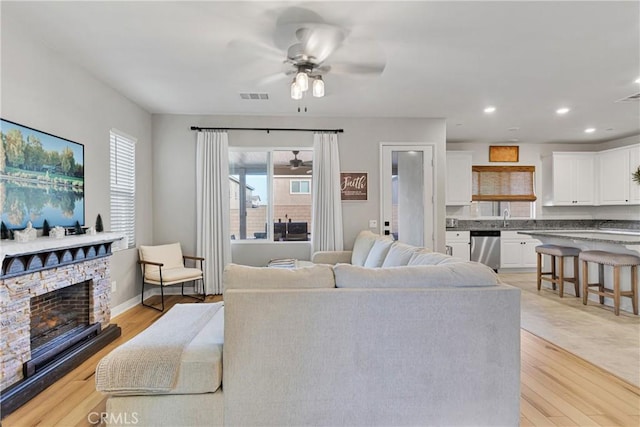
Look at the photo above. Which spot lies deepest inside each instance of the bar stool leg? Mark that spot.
(616, 290)
(634, 288)
(561, 276)
(601, 281)
(585, 282)
(576, 276)
(539, 272)
(553, 272)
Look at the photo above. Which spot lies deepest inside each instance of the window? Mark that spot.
(300, 186)
(122, 188)
(274, 194)
(500, 188)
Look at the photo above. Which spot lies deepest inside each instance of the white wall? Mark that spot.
(41, 90)
(174, 162)
(531, 154)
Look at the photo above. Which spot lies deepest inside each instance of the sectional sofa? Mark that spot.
(395, 336)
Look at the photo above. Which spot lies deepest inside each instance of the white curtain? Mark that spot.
(212, 206)
(327, 206)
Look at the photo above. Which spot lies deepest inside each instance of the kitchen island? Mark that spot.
(617, 241)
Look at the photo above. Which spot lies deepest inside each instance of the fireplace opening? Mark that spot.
(59, 320)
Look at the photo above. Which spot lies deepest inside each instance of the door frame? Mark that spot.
(430, 234)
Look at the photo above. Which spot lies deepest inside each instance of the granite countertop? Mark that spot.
(546, 224)
(623, 237)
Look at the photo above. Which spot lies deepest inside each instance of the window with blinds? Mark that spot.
(123, 185)
(503, 183)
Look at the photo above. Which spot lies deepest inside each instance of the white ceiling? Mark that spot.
(443, 59)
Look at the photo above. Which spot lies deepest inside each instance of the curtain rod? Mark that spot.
(272, 129)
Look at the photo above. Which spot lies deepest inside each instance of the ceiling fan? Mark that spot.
(310, 48)
(296, 163)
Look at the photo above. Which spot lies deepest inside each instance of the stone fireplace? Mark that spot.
(55, 300)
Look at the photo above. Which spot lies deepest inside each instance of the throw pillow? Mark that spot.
(361, 247)
(461, 274)
(399, 254)
(378, 252)
(237, 276)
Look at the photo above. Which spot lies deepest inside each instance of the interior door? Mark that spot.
(407, 210)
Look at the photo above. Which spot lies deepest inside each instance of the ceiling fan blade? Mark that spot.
(354, 68)
(272, 78)
(253, 49)
(363, 57)
(319, 41)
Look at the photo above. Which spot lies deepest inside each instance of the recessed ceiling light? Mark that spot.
(563, 110)
(638, 80)
(490, 109)
(590, 130)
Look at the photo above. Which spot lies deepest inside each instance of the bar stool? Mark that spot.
(560, 252)
(617, 261)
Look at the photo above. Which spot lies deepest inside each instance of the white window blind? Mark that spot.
(503, 183)
(123, 185)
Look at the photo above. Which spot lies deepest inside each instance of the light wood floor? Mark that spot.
(558, 388)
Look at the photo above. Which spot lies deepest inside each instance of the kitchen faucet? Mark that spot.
(505, 214)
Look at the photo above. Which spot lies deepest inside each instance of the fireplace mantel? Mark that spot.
(17, 258)
(35, 268)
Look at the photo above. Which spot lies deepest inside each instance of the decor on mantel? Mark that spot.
(57, 232)
(99, 226)
(78, 229)
(636, 176)
(29, 234)
(45, 228)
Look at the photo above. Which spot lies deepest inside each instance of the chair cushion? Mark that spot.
(378, 252)
(362, 246)
(170, 255)
(610, 258)
(556, 250)
(459, 274)
(171, 276)
(399, 254)
(245, 277)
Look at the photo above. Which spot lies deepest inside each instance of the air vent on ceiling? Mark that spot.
(254, 95)
(631, 98)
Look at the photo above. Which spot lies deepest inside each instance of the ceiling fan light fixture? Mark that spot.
(296, 92)
(302, 80)
(318, 87)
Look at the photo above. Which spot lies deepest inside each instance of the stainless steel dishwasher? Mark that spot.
(485, 247)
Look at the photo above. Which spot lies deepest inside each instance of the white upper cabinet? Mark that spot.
(568, 179)
(458, 178)
(616, 167)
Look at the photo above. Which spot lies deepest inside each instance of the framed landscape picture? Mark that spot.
(41, 177)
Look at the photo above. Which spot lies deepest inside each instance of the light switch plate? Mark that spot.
(373, 223)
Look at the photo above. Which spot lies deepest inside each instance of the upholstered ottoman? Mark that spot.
(170, 374)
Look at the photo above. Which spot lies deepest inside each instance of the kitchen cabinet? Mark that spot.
(517, 250)
(458, 184)
(460, 242)
(568, 179)
(616, 167)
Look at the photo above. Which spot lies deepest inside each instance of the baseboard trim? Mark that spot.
(130, 303)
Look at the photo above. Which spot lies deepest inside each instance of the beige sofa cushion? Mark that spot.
(455, 274)
(378, 252)
(362, 246)
(399, 254)
(426, 257)
(245, 277)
